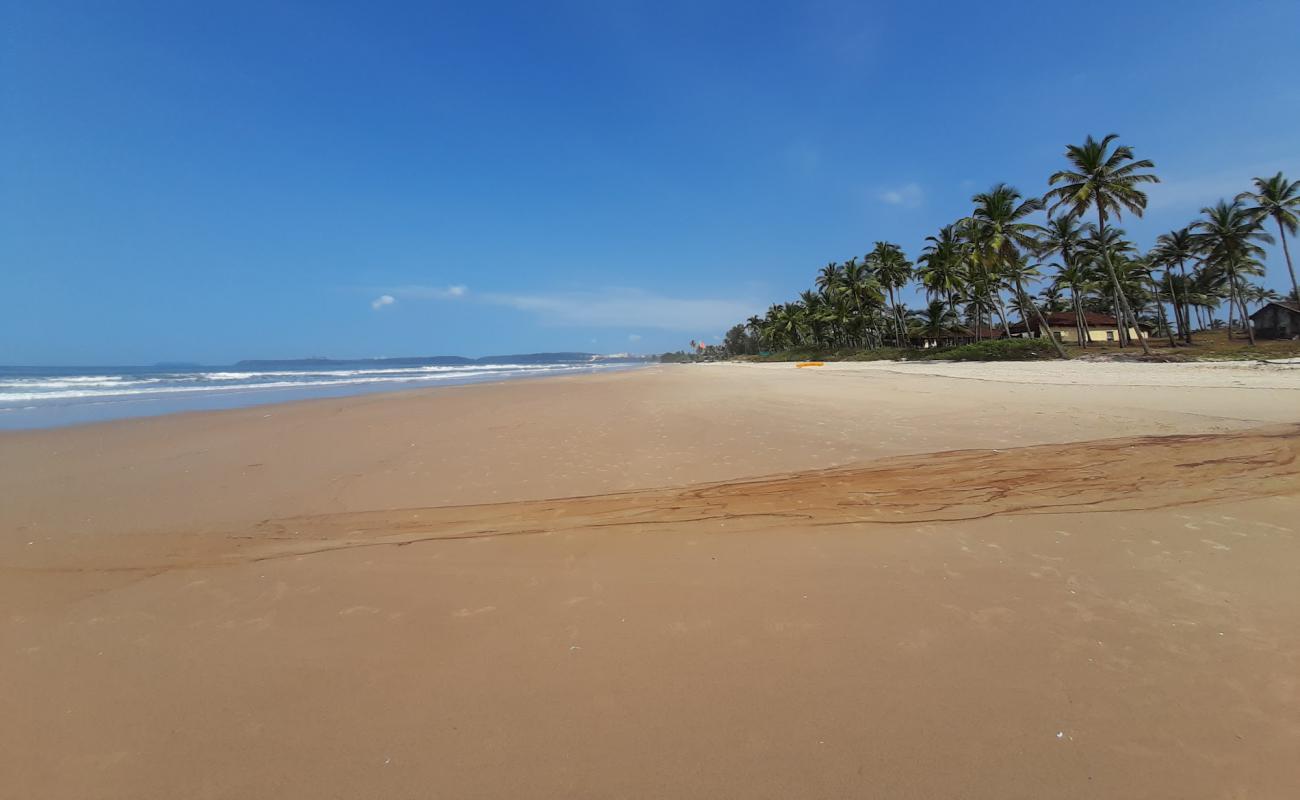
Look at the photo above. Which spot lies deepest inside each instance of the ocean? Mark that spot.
(42, 397)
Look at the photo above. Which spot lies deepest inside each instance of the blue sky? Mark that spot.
(209, 182)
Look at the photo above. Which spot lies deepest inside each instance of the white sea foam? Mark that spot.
(26, 390)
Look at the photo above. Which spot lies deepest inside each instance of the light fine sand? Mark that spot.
(880, 580)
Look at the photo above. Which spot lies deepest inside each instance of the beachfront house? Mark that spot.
(1067, 327)
(1279, 319)
(956, 335)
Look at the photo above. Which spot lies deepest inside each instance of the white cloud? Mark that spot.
(605, 308)
(909, 195)
(623, 308)
(415, 292)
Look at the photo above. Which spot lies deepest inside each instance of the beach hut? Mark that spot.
(1279, 319)
(956, 335)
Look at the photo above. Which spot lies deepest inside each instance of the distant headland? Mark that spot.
(435, 361)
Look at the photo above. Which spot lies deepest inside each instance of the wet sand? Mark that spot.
(704, 581)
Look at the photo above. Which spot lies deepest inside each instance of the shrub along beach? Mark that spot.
(1098, 289)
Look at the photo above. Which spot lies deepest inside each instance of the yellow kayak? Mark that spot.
(803, 364)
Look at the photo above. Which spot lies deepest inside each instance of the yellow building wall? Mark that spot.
(1069, 335)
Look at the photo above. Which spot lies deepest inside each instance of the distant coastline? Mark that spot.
(434, 361)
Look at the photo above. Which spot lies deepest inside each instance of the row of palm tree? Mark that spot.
(979, 269)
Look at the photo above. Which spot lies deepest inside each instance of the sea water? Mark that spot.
(40, 397)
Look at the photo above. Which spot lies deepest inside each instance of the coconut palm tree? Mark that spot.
(982, 267)
(1236, 273)
(935, 321)
(1230, 238)
(1000, 217)
(1106, 180)
(813, 316)
(843, 318)
(892, 271)
(1176, 247)
(1208, 287)
(829, 278)
(1064, 234)
(941, 265)
(1257, 294)
(1050, 297)
(1278, 199)
(754, 328)
(859, 286)
(1021, 272)
(1077, 279)
(979, 305)
(1156, 259)
(787, 323)
(1004, 233)
(1145, 267)
(1108, 255)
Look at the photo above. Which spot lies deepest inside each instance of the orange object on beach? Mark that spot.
(803, 364)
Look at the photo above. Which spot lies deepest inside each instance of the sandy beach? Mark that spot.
(913, 580)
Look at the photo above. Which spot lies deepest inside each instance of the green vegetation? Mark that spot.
(979, 270)
(994, 350)
(1216, 345)
(988, 350)
(816, 354)
(1277, 199)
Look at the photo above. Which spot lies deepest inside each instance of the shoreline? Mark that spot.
(218, 400)
(1283, 376)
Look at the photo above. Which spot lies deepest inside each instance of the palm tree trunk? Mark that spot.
(857, 301)
(1020, 307)
(1173, 300)
(890, 290)
(1235, 297)
(1114, 279)
(1232, 307)
(1187, 312)
(1121, 322)
(1160, 309)
(1080, 326)
(1042, 321)
(1002, 313)
(1286, 251)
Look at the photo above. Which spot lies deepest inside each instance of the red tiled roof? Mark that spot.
(958, 332)
(1065, 319)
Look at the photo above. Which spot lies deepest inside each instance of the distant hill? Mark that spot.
(428, 361)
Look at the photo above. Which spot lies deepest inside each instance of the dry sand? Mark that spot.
(882, 580)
